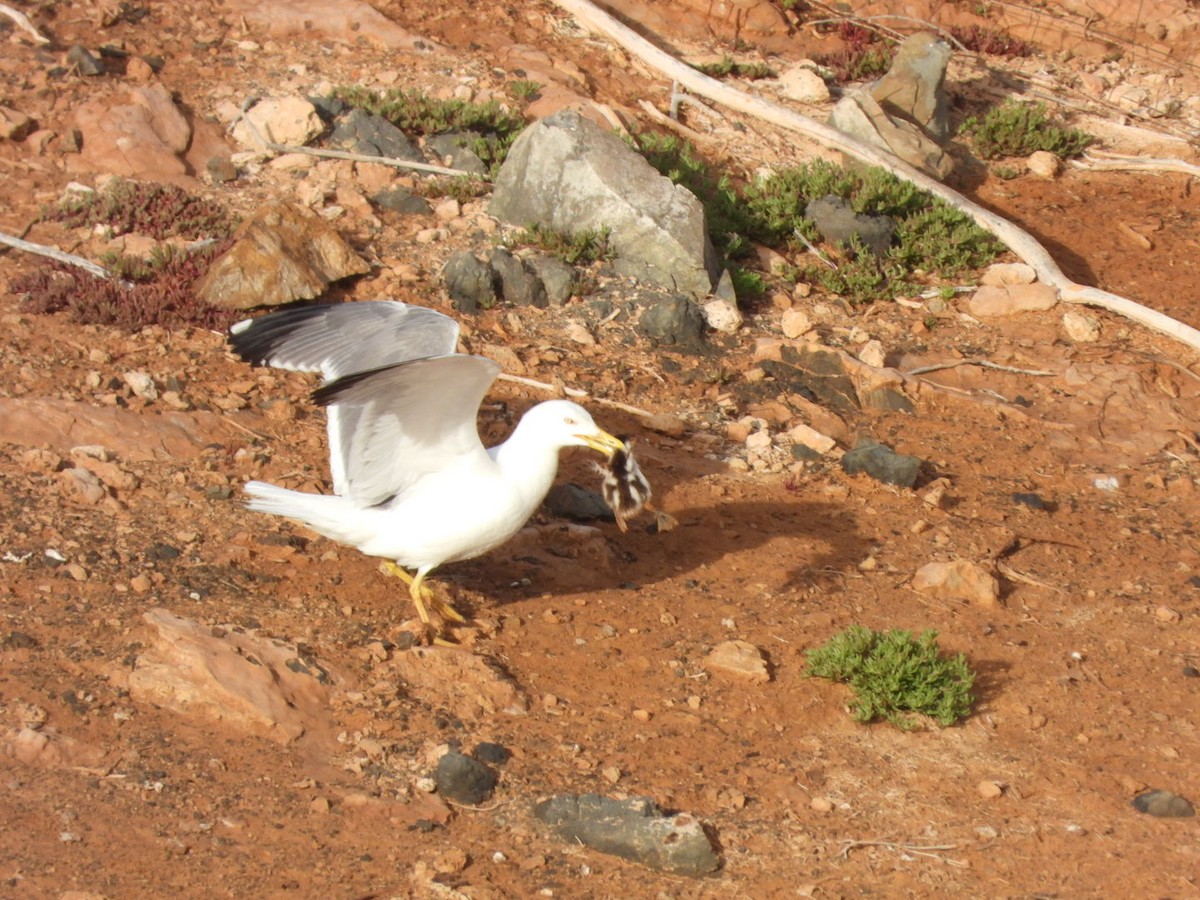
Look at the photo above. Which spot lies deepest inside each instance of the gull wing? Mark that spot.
(342, 339)
(411, 419)
(339, 340)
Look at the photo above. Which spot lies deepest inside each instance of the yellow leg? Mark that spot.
(421, 594)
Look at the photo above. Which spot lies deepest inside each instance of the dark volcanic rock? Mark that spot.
(464, 779)
(471, 283)
(839, 223)
(675, 321)
(882, 464)
(633, 829)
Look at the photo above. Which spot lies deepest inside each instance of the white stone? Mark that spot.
(283, 120)
(803, 85)
(795, 322)
(722, 315)
(811, 438)
(872, 354)
(1043, 164)
(1008, 273)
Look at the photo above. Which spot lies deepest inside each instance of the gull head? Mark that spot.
(561, 423)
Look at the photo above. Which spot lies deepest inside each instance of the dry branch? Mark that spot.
(1017, 239)
(23, 22)
(54, 253)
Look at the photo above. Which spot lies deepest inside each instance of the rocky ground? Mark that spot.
(127, 562)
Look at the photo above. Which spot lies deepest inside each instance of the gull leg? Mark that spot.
(422, 595)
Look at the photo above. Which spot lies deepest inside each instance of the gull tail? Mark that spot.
(330, 515)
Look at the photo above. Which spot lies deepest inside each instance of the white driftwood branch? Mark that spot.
(1015, 238)
(54, 253)
(1099, 160)
(23, 22)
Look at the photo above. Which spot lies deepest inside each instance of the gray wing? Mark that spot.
(411, 419)
(342, 339)
(339, 340)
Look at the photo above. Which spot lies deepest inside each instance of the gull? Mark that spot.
(412, 482)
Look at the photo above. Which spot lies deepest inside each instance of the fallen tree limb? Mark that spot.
(1014, 237)
(54, 253)
(23, 23)
(1099, 160)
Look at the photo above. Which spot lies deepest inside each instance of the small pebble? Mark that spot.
(1163, 805)
(990, 790)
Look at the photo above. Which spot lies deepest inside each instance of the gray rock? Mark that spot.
(881, 463)
(886, 399)
(470, 282)
(839, 223)
(82, 60)
(221, 169)
(454, 149)
(567, 173)
(676, 321)
(819, 375)
(360, 132)
(402, 200)
(516, 282)
(328, 108)
(570, 501)
(860, 116)
(633, 829)
(464, 779)
(1163, 804)
(912, 88)
(559, 278)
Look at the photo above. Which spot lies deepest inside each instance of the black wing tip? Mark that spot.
(257, 339)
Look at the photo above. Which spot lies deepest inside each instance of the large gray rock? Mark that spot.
(633, 829)
(567, 173)
(860, 115)
(912, 88)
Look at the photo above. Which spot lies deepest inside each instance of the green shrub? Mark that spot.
(729, 66)
(895, 675)
(587, 246)
(1018, 129)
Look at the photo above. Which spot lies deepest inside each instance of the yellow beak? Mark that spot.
(603, 442)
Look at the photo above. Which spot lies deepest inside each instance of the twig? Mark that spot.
(1013, 575)
(674, 124)
(54, 253)
(930, 850)
(23, 22)
(814, 250)
(1021, 242)
(576, 393)
(983, 363)
(342, 154)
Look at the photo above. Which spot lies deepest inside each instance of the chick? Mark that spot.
(626, 490)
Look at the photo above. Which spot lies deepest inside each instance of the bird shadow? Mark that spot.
(720, 542)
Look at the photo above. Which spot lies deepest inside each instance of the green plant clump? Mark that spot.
(930, 235)
(895, 675)
(728, 66)
(1018, 129)
(419, 114)
(584, 247)
(158, 210)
